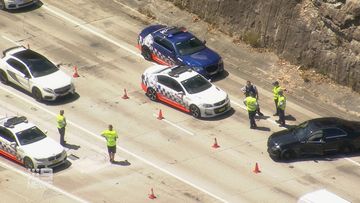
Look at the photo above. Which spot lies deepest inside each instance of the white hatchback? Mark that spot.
(185, 89)
(26, 144)
(34, 73)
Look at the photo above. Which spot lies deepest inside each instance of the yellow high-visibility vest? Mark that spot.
(61, 122)
(251, 103)
(110, 136)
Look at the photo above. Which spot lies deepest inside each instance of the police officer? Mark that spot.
(61, 124)
(251, 106)
(250, 88)
(281, 108)
(110, 136)
(276, 90)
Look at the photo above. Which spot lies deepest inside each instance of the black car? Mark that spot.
(315, 137)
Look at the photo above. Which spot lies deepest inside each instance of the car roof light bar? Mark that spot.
(11, 122)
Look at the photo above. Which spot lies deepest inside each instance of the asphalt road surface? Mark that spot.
(174, 155)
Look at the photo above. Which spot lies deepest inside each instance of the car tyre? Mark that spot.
(3, 77)
(288, 155)
(146, 53)
(151, 93)
(37, 94)
(28, 163)
(195, 111)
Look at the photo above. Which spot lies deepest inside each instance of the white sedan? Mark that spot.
(34, 73)
(186, 90)
(26, 144)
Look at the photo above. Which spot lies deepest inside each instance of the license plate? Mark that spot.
(222, 109)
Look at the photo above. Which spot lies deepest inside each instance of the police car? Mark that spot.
(34, 73)
(175, 46)
(26, 144)
(185, 89)
(15, 4)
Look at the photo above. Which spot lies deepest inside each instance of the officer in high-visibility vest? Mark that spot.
(275, 91)
(281, 107)
(251, 106)
(251, 88)
(110, 136)
(61, 124)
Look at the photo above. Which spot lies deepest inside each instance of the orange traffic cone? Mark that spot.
(160, 116)
(152, 196)
(256, 169)
(215, 145)
(125, 95)
(76, 74)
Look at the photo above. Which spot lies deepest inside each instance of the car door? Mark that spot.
(334, 139)
(8, 144)
(314, 144)
(164, 50)
(170, 91)
(18, 73)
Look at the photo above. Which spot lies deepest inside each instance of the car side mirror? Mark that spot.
(204, 41)
(45, 132)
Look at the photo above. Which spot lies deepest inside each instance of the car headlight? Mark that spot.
(276, 147)
(207, 105)
(48, 90)
(197, 69)
(41, 160)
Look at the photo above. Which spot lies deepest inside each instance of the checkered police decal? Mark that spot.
(170, 95)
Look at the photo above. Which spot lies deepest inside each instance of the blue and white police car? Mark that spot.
(185, 89)
(176, 46)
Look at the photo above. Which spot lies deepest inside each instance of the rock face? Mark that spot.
(319, 34)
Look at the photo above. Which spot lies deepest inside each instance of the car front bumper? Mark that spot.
(215, 111)
(54, 95)
(51, 164)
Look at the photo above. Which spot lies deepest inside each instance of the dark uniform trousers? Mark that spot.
(281, 116)
(62, 135)
(252, 118)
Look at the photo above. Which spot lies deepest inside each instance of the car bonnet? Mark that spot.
(44, 148)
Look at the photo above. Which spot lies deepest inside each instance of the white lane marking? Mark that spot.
(261, 70)
(97, 136)
(10, 40)
(176, 126)
(86, 27)
(48, 185)
(352, 161)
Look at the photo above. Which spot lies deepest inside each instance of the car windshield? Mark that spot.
(41, 66)
(196, 84)
(189, 46)
(30, 135)
(301, 131)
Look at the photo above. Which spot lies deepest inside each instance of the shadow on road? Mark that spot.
(122, 163)
(71, 146)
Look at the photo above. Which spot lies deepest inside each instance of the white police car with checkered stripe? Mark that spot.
(24, 143)
(185, 89)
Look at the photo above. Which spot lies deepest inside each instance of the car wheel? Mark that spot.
(146, 53)
(195, 111)
(288, 155)
(28, 163)
(3, 77)
(151, 93)
(37, 94)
